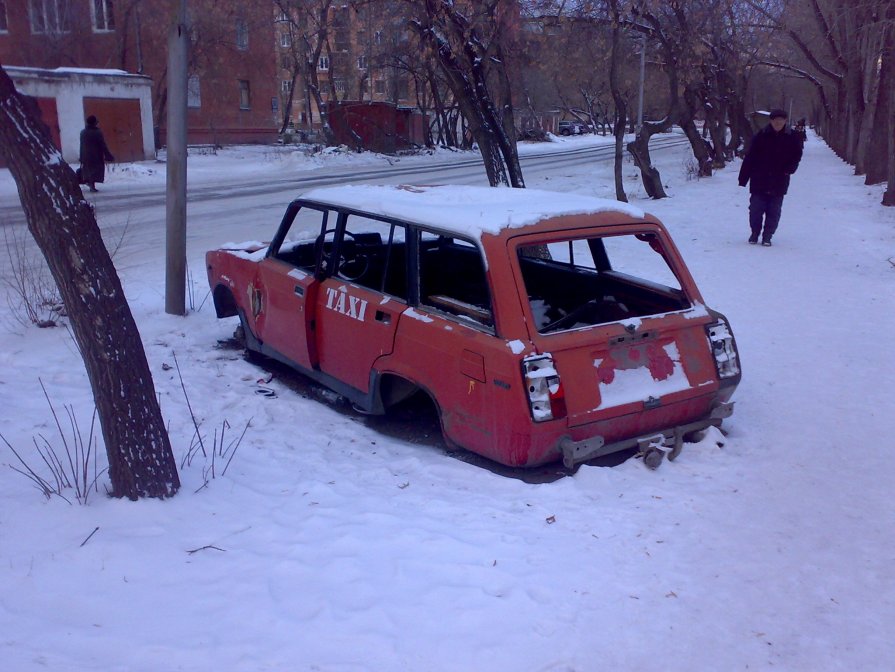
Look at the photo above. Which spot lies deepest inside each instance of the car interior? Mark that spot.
(571, 293)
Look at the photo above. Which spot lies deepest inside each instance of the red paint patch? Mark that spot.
(661, 366)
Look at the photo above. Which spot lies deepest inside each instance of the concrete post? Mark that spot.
(642, 71)
(175, 259)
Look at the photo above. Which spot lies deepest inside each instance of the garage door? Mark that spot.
(119, 120)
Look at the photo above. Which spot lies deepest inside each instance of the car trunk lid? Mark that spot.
(633, 366)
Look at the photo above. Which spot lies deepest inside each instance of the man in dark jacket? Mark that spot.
(773, 156)
(94, 154)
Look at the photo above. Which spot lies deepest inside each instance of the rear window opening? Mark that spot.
(583, 282)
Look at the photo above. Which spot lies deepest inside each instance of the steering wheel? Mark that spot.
(350, 267)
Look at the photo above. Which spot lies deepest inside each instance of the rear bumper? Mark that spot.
(576, 452)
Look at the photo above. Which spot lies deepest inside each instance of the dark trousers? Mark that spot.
(767, 208)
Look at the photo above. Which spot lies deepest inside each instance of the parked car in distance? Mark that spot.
(544, 326)
(571, 128)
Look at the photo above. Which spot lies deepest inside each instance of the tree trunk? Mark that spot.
(699, 146)
(474, 75)
(483, 126)
(507, 136)
(639, 148)
(889, 195)
(141, 463)
(876, 152)
(495, 168)
(621, 110)
(322, 110)
(685, 119)
(619, 132)
(446, 134)
(740, 128)
(870, 85)
(287, 108)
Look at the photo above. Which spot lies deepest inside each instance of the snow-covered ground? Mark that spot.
(331, 546)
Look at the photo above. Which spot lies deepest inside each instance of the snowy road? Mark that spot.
(462, 168)
(239, 204)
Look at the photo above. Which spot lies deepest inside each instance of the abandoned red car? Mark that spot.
(543, 326)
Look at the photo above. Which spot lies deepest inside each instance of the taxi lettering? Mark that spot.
(341, 301)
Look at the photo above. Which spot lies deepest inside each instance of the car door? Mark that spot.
(360, 301)
(288, 286)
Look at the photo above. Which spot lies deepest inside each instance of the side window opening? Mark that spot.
(373, 254)
(600, 280)
(298, 243)
(453, 279)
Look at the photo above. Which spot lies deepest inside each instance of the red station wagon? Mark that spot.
(544, 326)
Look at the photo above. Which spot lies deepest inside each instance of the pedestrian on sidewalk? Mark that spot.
(773, 156)
(800, 130)
(94, 154)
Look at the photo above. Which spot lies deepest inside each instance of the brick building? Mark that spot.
(363, 48)
(233, 95)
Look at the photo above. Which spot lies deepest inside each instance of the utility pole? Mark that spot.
(175, 221)
(642, 70)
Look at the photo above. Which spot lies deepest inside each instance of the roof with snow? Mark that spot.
(71, 73)
(466, 210)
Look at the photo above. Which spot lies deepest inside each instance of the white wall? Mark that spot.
(69, 86)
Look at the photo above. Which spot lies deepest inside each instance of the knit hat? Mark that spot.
(778, 113)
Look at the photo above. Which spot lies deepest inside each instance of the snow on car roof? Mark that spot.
(466, 210)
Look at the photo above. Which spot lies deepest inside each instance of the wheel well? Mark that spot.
(401, 398)
(395, 389)
(224, 303)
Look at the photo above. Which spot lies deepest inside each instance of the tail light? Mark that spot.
(546, 398)
(723, 349)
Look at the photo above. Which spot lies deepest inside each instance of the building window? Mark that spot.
(245, 95)
(282, 17)
(377, 37)
(339, 85)
(285, 85)
(340, 61)
(340, 16)
(242, 34)
(50, 16)
(103, 18)
(342, 40)
(285, 40)
(193, 94)
(4, 26)
(401, 88)
(362, 63)
(323, 63)
(379, 86)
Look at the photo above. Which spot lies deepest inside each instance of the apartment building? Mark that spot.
(363, 53)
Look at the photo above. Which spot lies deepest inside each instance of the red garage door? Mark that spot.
(47, 107)
(119, 120)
